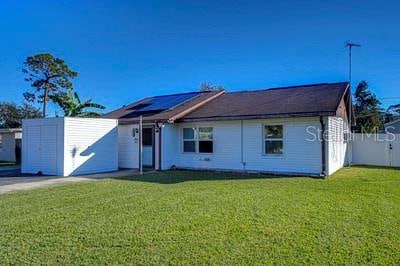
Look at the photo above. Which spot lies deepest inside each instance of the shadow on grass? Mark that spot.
(179, 176)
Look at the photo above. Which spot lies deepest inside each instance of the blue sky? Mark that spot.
(125, 50)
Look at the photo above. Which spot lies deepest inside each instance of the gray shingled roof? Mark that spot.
(306, 100)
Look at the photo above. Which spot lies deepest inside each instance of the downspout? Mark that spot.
(323, 155)
(159, 147)
(241, 146)
(141, 145)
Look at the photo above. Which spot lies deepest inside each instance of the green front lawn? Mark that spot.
(207, 218)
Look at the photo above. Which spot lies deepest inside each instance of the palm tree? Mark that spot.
(73, 107)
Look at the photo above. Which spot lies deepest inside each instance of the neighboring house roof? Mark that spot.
(306, 100)
(165, 108)
(10, 130)
(393, 122)
(393, 127)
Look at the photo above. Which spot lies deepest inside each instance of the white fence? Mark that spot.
(376, 149)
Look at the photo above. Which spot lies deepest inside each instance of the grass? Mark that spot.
(207, 218)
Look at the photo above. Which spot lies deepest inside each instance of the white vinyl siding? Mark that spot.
(170, 148)
(300, 155)
(90, 145)
(128, 146)
(337, 146)
(69, 146)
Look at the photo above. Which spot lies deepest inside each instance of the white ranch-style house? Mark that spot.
(274, 131)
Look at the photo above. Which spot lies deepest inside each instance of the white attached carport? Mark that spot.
(67, 146)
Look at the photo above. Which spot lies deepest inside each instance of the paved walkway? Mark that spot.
(16, 183)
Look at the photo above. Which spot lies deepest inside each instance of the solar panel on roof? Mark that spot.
(166, 102)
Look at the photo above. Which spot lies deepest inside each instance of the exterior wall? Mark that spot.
(301, 154)
(336, 145)
(90, 145)
(7, 150)
(342, 110)
(170, 145)
(227, 148)
(43, 146)
(69, 146)
(128, 147)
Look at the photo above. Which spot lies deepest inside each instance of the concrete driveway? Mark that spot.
(11, 179)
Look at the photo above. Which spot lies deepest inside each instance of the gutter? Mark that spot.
(10, 130)
(323, 155)
(260, 116)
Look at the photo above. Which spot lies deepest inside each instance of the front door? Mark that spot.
(148, 146)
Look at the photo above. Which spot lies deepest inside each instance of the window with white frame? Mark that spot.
(198, 140)
(189, 140)
(273, 139)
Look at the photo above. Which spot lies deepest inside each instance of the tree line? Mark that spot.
(51, 81)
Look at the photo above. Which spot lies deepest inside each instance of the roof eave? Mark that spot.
(136, 121)
(10, 130)
(259, 116)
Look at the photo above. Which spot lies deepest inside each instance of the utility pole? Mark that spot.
(350, 46)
